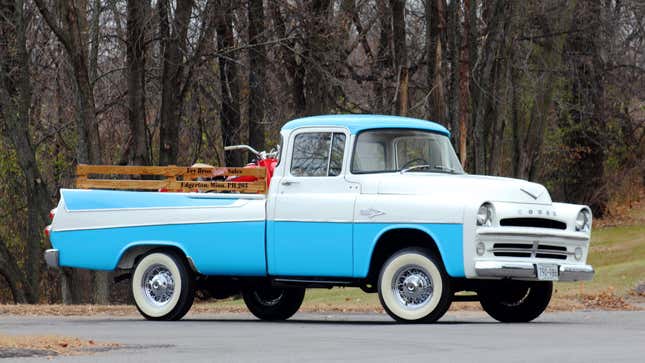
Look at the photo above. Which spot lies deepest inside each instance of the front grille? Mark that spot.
(529, 250)
(532, 222)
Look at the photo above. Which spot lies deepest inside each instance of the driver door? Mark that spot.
(311, 232)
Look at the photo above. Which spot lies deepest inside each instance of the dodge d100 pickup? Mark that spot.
(376, 202)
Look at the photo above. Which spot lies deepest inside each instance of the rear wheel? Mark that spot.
(515, 301)
(272, 303)
(413, 286)
(163, 286)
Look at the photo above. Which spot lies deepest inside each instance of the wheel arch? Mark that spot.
(132, 252)
(397, 237)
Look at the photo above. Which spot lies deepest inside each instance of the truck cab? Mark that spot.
(376, 202)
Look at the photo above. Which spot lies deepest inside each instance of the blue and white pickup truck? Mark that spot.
(376, 202)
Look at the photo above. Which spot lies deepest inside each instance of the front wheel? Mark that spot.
(162, 286)
(515, 301)
(272, 303)
(413, 286)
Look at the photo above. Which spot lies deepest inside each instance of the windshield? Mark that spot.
(392, 150)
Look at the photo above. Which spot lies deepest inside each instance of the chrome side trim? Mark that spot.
(51, 257)
(526, 271)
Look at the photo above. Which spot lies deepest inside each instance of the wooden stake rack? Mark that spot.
(171, 178)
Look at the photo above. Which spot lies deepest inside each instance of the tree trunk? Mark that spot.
(464, 86)
(435, 27)
(73, 34)
(316, 59)
(15, 103)
(174, 46)
(401, 64)
(382, 68)
(586, 135)
(484, 77)
(137, 149)
(257, 65)
(14, 277)
(454, 45)
(230, 86)
(293, 66)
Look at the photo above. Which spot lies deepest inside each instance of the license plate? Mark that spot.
(547, 271)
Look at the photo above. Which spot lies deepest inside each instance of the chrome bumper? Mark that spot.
(51, 257)
(527, 271)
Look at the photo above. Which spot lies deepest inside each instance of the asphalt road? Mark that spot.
(460, 336)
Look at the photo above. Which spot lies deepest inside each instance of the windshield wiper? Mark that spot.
(424, 166)
(445, 168)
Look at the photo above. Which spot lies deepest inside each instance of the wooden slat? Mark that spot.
(170, 182)
(121, 184)
(84, 169)
(243, 187)
(210, 172)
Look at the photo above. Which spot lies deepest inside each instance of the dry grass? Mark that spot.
(51, 344)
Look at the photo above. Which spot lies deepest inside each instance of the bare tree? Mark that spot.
(229, 83)
(257, 78)
(137, 150)
(15, 104)
(401, 63)
(435, 28)
(173, 42)
(70, 27)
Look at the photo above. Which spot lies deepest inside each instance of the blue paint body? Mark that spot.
(238, 248)
(328, 249)
(358, 123)
(310, 249)
(78, 199)
(448, 238)
(232, 248)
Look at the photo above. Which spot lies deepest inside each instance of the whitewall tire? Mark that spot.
(413, 286)
(163, 287)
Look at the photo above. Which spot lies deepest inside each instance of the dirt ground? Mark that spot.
(12, 346)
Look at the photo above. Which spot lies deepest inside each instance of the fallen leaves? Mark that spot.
(50, 344)
(606, 300)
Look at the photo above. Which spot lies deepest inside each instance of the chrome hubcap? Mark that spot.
(412, 286)
(269, 296)
(158, 285)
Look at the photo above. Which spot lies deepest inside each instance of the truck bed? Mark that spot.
(221, 233)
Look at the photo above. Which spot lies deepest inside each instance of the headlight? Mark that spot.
(485, 215)
(583, 221)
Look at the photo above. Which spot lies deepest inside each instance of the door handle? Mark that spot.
(289, 182)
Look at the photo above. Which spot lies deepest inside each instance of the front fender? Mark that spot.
(447, 237)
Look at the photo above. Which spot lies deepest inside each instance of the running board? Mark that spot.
(311, 283)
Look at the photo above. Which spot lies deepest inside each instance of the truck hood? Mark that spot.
(464, 187)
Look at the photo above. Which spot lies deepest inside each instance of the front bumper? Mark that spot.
(51, 257)
(527, 271)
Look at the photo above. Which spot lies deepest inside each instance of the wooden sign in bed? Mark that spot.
(172, 178)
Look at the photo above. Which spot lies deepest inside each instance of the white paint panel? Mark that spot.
(241, 210)
(406, 209)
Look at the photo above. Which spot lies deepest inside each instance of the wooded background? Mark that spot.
(550, 91)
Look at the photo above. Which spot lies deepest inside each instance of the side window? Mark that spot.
(337, 152)
(318, 154)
